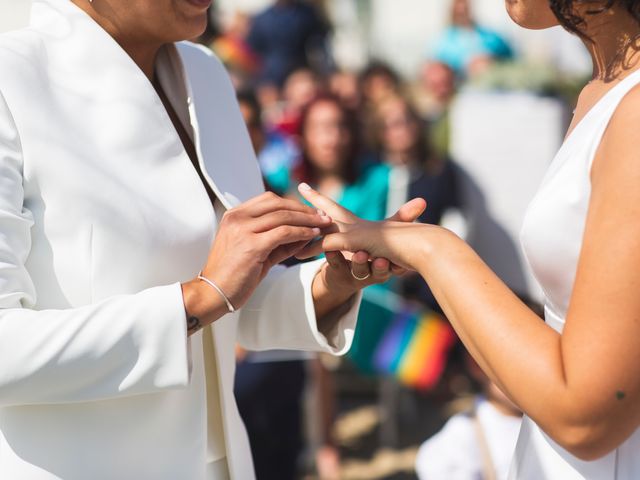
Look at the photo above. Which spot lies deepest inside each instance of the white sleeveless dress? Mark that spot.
(552, 238)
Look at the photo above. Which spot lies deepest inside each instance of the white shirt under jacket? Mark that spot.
(102, 215)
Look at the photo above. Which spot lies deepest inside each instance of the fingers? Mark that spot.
(397, 270)
(311, 250)
(285, 235)
(314, 248)
(284, 252)
(279, 218)
(335, 242)
(410, 211)
(270, 202)
(337, 261)
(360, 268)
(380, 270)
(326, 204)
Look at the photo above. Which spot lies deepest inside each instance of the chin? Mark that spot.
(531, 14)
(190, 29)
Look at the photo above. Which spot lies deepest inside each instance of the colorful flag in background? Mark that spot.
(393, 338)
(415, 348)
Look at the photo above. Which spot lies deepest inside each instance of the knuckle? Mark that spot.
(287, 231)
(270, 196)
(229, 216)
(285, 216)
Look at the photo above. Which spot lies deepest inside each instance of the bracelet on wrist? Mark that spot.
(213, 285)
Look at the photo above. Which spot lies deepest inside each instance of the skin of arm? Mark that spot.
(582, 387)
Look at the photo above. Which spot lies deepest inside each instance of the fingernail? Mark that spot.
(316, 231)
(321, 213)
(304, 187)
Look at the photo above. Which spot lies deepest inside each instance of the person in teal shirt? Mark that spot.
(329, 141)
(464, 40)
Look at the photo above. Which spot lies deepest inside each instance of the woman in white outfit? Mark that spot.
(124, 165)
(577, 377)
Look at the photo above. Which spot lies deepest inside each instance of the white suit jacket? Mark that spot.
(102, 216)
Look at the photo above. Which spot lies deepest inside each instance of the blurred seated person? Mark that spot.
(437, 88)
(480, 442)
(277, 154)
(476, 444)
(330, 160)
(377, 81)
(464, 40)
(281, 107)
(300, 87)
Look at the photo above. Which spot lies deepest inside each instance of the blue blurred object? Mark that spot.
(459, 45)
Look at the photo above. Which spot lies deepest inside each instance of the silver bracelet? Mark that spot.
(219, 290)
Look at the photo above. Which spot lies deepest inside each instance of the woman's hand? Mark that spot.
(349, 270)
(251, 239)
(396, 240)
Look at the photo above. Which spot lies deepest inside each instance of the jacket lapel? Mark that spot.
(221, 137)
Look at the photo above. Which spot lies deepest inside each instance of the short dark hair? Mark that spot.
(565, 11)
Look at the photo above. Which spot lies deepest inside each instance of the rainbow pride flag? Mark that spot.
(415, 348)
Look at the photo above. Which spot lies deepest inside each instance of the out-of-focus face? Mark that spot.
(152, 21)
(377, 87)
(399, 129)
(326, 137)
(461, 13)
(345, 86)
(439, 80)
(531, 14)
(299, 89)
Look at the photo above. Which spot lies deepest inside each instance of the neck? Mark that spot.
(143, 53)
(611, 42)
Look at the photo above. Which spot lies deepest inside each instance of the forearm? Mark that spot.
(519, 352)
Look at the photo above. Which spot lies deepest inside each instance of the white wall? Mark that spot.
(14, 14)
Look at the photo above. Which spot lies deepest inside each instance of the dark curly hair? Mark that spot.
(565, 10)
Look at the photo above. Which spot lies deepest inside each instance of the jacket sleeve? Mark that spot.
(281, 315)
(125, 345)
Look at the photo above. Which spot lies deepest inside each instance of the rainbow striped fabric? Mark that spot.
(415, 348)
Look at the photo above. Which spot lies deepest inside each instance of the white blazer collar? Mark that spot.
(196, 84)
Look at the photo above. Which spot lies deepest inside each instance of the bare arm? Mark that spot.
(581, 387)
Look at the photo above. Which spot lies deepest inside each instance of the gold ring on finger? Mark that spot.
(361, 279)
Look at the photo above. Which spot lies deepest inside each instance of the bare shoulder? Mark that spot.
(618, 157)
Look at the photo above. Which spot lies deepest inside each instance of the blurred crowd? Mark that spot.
(370, 140)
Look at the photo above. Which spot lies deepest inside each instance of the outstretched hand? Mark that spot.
(360, 261)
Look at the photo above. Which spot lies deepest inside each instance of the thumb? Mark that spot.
(410, 211)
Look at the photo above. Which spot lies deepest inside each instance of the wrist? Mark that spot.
(202, 304)
(433, 246)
